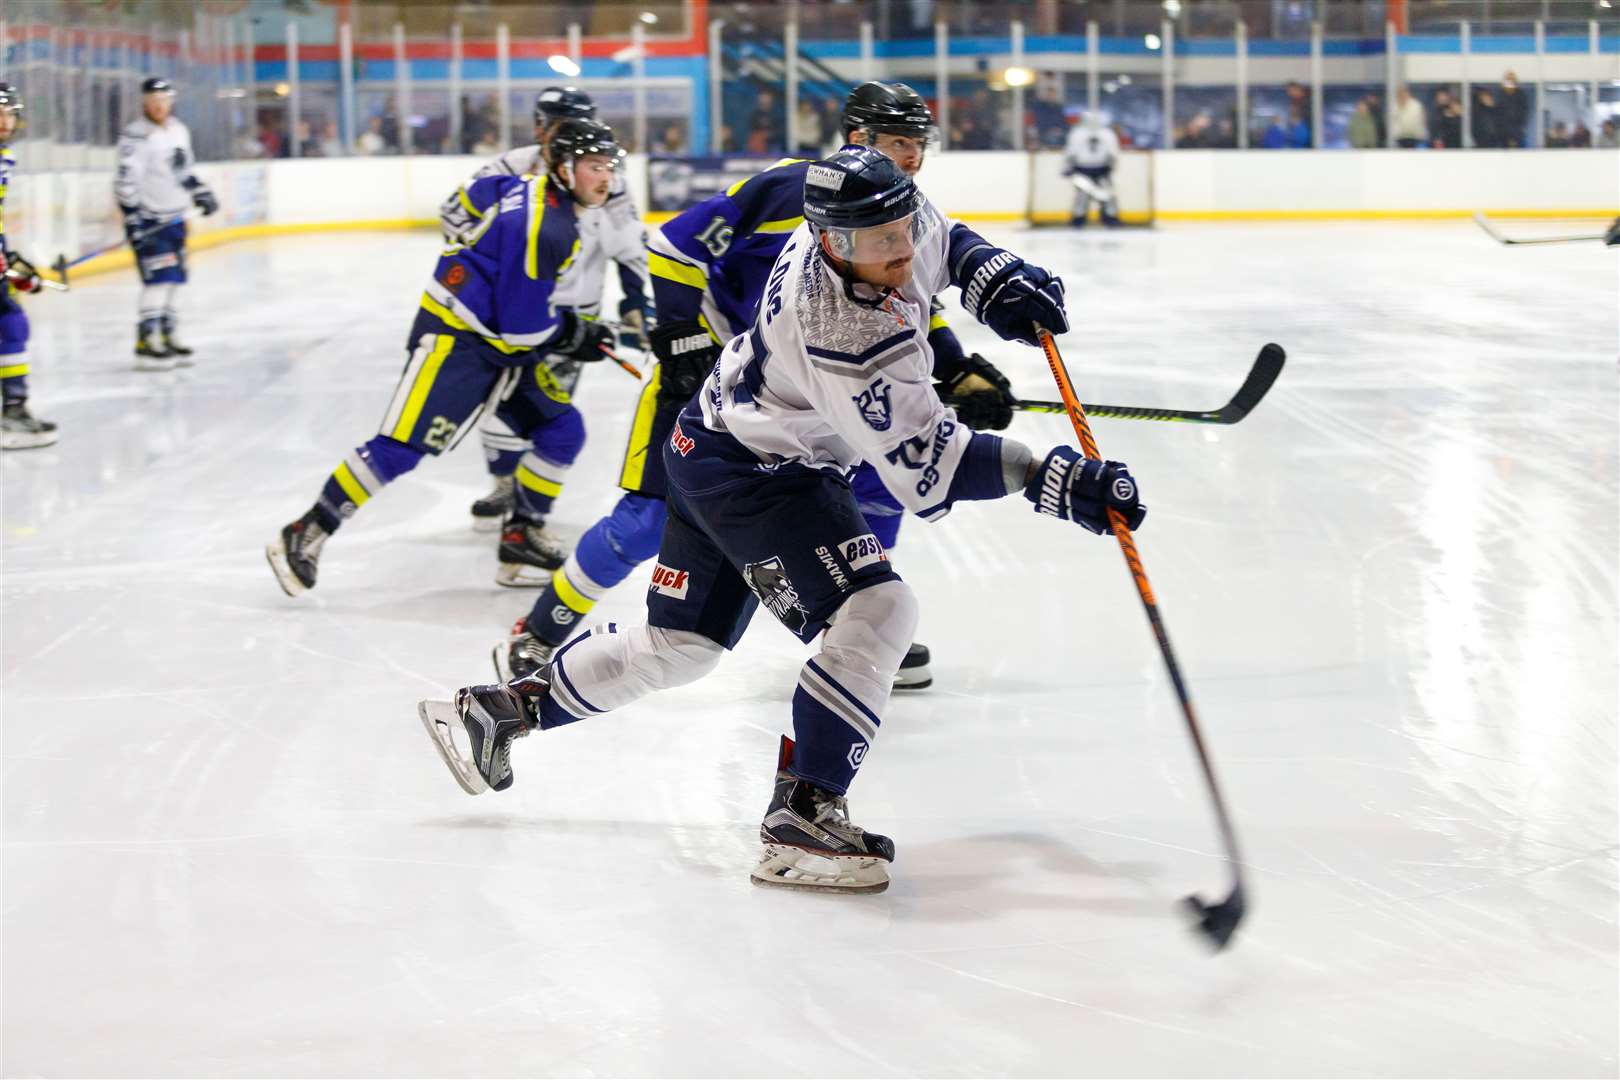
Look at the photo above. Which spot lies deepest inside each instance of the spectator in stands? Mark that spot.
(1485, 121)
(1363, 130)
(1558, 137)
(488, 143)
(1609, 135)
(1299, 101)
(1196, 135)
(1581, 138)
(672, 140)
(270, 139)
(765, 127)
(1275, 135)
(371, 140)
(1445, 126)
(331, 145)
(808, 129)
(1410, 123)
(1513, 111)
(307, 146)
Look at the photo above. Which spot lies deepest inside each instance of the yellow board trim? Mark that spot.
(420, 388)
(679, 272)
(535, 482)
(12, 371)
(353, 488)
(576, 600)
(637, 449)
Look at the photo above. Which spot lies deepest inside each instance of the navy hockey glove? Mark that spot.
(204, 200)
(1011, 296)
(1081, 490)
(686, 354)
(140, 228)
(581, 340)
(980, 394)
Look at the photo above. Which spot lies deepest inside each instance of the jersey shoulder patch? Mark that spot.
(842, 336)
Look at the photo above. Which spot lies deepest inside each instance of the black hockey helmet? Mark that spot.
(890, 108)
(155, 85)
(857, 189)
(575, 139)
(10, 98)
(563, 103)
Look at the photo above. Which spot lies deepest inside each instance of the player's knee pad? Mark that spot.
(677, 657)
(390, 458)
(873, 628)
(561, 438)
(635, 527)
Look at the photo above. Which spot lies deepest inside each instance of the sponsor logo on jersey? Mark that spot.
(1057, 478)
(768, 578)
(668, 582)
(823, 177)
(679, 440)
(862, 551)
(834, 571)
(455, 277)
(874, 405)
(856, 755)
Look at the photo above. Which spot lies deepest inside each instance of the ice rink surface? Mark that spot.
(230, 850)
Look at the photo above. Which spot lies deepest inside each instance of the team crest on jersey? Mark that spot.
(768, 578)
(455, 277)
(874, 405)
(668, 582)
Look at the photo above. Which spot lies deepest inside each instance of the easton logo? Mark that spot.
(823, 177)
(668, 582)
(1057, 475)
(679, 440)
(859, 551)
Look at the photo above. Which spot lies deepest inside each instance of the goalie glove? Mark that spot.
(686, 354)
(1082, 490)
(980, 394)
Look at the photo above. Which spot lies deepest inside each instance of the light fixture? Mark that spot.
(1172, 8)
(649, 18)
(1151, 41)
(283, 89)
(1018, 76)
(563, 65)
(626, 54)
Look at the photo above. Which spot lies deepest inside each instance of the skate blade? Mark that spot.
(153, 363)
(275, 553)
(914, 679)
(503, 669)
(524, 576)
(27, 440)
(440, 720)
(793, 868)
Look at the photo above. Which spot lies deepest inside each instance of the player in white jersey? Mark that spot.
(612, 231)
(1088, 161)
(154, 187)
(835, 370)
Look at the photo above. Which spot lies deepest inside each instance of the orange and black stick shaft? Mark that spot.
(1218, 921)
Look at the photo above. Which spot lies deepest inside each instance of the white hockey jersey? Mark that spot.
(828, 382)
(154, 164)
(611, 231)
(1091, 146)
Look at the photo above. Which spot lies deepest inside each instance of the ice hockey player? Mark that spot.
(760, 512)
(487, 319)
(154, 186)
(710, 266)
(19, 430)
(1088, 161)
(611, 231)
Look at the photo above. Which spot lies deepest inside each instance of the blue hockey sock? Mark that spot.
(542, 470)
(360, 476)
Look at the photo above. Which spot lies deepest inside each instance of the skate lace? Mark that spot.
(311, 540)
(834, 811)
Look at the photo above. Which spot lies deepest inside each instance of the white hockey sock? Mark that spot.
(155, 299)
(610, 667)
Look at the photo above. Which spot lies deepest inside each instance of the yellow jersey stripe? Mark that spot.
(636, 451)
(455, 322)
(461, 194)
(576, 600)
(535, 482)
(782, 226)
(354, 489)
(937, 322)
(11, 371)
(419, 390)
(681, 273)
(537, 212)
(777, 164)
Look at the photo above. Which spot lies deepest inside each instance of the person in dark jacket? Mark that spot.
(1513, 111)
(1485, 121)
(1445, 125)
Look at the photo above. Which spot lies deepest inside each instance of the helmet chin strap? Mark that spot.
(841, 267)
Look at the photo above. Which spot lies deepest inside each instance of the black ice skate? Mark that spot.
(19, 430)
(490, 717)
(151, 354)
(180, 354)
(491, 510)
(914, 673)
(528, 553)
(810, 842)
(522, 654)
(293, 554)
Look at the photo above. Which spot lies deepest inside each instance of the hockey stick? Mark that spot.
(1483, 222)
(44, 282)
(1217, 921)
(62, 264)
(1267, 366)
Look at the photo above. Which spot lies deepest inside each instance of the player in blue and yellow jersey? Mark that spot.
(18, 429)
(709, 268)
(487, 321)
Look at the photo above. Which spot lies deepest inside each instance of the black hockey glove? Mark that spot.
(140, 228)
(582, 340)
(204, 200)
(686, 354)
(980, 394)
(1081, 490)
(1011, 296)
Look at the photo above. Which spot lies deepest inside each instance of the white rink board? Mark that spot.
(229, 849)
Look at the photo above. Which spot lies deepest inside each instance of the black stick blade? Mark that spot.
(1217, 922)
(1267, 366)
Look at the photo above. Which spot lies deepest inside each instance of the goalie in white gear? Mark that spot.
(835, 369)
(612, 231)
(1088, 161)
